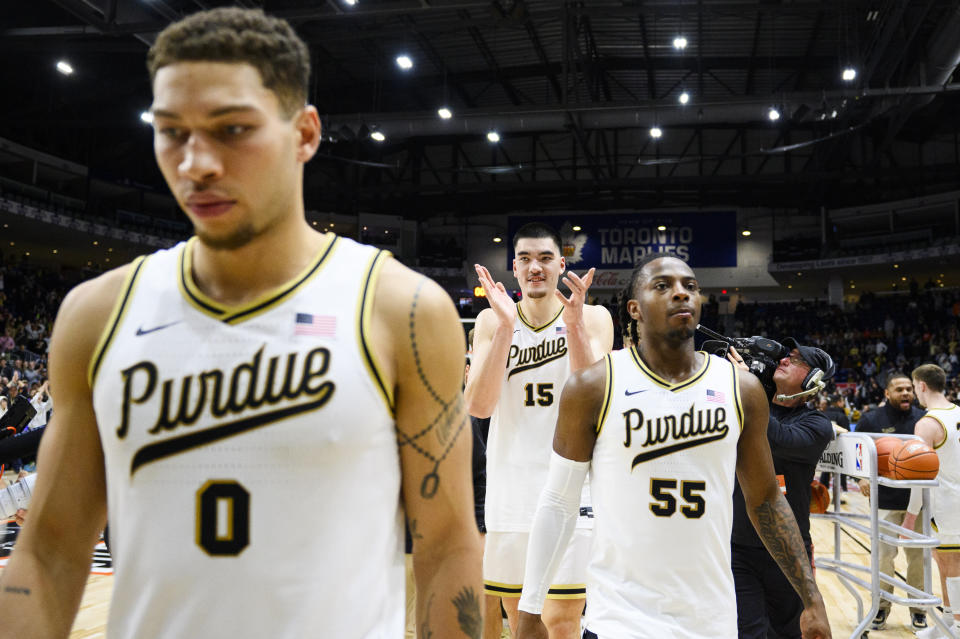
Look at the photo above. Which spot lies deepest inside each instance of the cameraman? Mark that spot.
(767, 605)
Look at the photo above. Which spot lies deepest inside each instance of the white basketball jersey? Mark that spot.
(663, 474)
(252, 468)
(523, 423)
(946, 496)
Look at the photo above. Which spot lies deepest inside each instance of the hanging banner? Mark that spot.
(617, 241)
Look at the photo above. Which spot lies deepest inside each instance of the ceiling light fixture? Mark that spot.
(680, 43)
(577, 228)
(684, 97)
(493, 136)
(445, 113)
(404, 62)
(146, 117)
(498, 239)
(849, 74)
(662, 227)
(377, 136)
(746, 232)
(656, 133)
(64, 67)
(773, 114)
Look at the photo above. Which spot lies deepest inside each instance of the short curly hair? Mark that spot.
(230, 34)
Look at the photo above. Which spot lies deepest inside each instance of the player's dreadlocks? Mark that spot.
(628, 325)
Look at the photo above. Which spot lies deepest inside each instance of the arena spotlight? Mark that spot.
(746, 232)
(64, 67)
(577, 228)
(662, 227)
(404, 62)
(849, 74)
(444, 113)
(146, 117)
(497, 239)
(680, 43)
(350, 3)
(493, 136)
(377, 136)
(656, 133)
(773, 114)
(684, 97)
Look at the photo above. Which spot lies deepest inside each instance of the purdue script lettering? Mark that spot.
(691, 428)
(218, 393)
(523, 359)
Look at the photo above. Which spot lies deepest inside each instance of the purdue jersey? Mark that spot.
(946, 496)
(522, 425)
(253, 475)
(662, 478)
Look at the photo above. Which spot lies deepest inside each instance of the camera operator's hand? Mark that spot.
(734, 357)
(864, 485)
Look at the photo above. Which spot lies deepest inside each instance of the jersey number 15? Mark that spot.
(544, 394)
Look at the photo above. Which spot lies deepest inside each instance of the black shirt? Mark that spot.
(888, 419)
(836, 414)
(797, 437)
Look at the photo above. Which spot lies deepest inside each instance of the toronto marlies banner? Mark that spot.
(617, 241)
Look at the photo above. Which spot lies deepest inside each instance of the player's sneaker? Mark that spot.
(918, 620)
(880, 621)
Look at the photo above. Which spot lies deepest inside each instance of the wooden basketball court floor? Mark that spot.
(841, 608)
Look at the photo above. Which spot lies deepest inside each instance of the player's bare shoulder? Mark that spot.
(410, 308)
(401, 291)
(86, 309)
(597, 316)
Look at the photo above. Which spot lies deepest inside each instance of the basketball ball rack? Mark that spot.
(855, 454)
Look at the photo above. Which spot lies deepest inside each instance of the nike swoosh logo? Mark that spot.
(143, 331)
(629, 393)
(516, 330)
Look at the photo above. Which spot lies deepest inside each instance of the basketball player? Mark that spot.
(523, 354)
(663, 429)
(940, 429)
(259, 405)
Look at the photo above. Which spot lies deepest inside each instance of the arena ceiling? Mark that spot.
(573, 88)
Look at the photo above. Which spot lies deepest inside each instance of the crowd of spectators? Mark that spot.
(879, 335)
(29, 298)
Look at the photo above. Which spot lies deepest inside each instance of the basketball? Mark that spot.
(914, 460)
(819, 498)
(885, 446)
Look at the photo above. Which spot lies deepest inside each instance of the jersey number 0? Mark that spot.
(223, 518)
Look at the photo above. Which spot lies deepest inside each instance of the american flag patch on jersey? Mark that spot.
(320, 325)
(561, 330)
(715, 396)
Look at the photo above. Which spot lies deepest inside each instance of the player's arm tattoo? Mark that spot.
(425, 631)
(468, 613)
(777, 528)
(16, 590)
(414, 535)
(447, 424)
